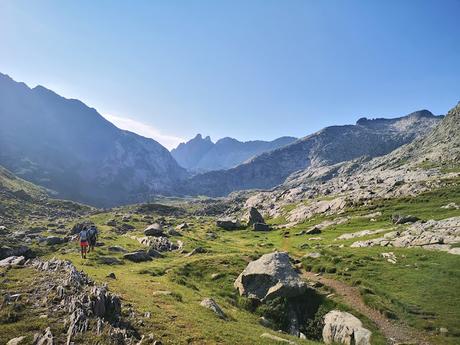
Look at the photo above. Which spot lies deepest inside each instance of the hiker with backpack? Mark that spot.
(92, 236)
(83, 238)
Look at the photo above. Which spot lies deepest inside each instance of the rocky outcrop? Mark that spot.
(433, 235)
(214, 307)
(12, 261)
(304, 212)
(90, 307)
(344, 328)
(271, 276)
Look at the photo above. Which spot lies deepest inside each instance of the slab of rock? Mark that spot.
(271, 276)
(361, 233)
(228, 224)
(12, 261)
(16, 341)
(455, 251)
(212, 305)
(432, 235)
(154, 230)
(139, 256)
(276, 338)
(344, 328)
(303, 212)
(260, 227)
(255, 217)
(402, 219)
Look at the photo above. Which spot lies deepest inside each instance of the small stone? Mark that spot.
(212, 305)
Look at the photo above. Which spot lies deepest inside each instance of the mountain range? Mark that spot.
(74, 152)
(331, 145)
(201, 154)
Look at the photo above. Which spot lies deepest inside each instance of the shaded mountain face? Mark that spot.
(329, 146)
(66, 146)
(201, 154)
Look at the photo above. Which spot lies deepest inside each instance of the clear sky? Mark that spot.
(246, 69)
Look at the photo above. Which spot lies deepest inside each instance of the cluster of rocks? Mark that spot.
(84, 305)
(433, 234)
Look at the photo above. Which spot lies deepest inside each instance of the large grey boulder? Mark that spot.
(154, 230)
(212, 305)
(138, 256)
(271, 276)
(255, 217)
(53, 240)
(25, 251)
(343, 328)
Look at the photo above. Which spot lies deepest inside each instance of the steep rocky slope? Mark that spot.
(201, 155)
(329, 146)
(70, 148)
(430, 161)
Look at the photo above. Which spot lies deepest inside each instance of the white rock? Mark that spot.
(344, 328)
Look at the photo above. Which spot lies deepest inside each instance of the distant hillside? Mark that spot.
(329, 146)
(201, 154)
(66, 146)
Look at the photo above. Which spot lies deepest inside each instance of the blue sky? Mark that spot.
(245, 69)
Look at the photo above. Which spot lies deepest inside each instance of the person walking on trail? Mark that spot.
(83, 237)
(92, 236)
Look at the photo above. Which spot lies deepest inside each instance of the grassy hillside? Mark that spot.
(420, 290)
